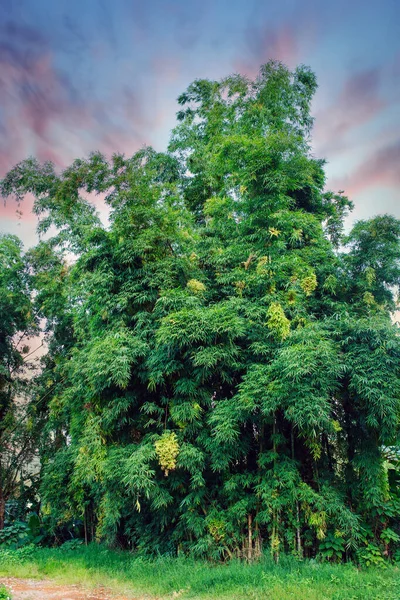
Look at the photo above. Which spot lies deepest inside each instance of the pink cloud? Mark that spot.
(51, 123)
(358, 103)
(33, 95)
(287, 42)
(18, 212)
(43, 115)
(32, 100)
(382, 168)
(167, 68)
(265, 44)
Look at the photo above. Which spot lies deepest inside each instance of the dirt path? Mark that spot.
(31, 589)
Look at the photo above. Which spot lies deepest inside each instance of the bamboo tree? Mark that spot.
(225, 369)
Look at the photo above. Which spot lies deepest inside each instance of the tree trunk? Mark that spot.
(85, 527)
(2, 509)
(250, 546)
(298, 533)
(275, 512)
(257, 543)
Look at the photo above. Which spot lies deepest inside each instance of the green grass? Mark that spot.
(165, 578)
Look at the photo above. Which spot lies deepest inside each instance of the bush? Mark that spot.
(71, 545)
(20, 534)
(15, 535)
(16, 555)
(4, 593)
(371, 555)
(331, 548)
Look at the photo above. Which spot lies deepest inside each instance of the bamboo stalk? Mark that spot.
(250, 539)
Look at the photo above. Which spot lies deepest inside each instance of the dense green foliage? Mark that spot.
(17, 324)
(223, 371)
(135, 576)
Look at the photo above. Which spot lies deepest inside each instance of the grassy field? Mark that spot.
(164, 578)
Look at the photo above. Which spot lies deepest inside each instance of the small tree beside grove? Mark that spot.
(223, 363)
(17, 325)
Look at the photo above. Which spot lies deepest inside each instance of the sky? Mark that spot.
(83, 75)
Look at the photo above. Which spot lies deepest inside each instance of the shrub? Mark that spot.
(16, 555)
(4, 593)
(71, 545)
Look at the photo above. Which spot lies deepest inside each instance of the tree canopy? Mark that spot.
(223, 369)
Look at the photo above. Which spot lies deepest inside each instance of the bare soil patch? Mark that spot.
(32, 589)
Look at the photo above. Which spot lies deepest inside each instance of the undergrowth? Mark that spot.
(164, 577)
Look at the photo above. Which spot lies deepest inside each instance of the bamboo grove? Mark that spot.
(222, 375)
